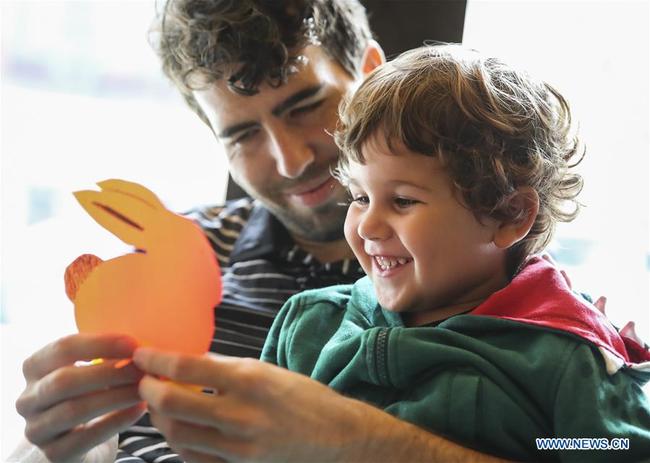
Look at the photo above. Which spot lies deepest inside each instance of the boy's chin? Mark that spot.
(396, 305)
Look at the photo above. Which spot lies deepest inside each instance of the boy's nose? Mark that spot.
(291, 153)
(372, 227)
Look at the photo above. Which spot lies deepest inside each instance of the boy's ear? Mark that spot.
(372, 57)
(527, 200)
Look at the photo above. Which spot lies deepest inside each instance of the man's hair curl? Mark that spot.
(248, 42)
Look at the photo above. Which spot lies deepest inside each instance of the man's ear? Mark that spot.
(526, 200)
(372, 57)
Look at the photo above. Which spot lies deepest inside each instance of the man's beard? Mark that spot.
(321, 224)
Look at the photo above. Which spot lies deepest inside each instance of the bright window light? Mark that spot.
(83, 99)
(597, 54)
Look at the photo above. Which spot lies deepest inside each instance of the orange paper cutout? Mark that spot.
(77, 272)
(163, 295)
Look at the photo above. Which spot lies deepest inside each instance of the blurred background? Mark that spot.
(82, 99)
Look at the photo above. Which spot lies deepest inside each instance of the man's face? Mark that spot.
(423, 250)
(279, 145)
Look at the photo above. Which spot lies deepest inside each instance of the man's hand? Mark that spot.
(70, 409)
(261, 413)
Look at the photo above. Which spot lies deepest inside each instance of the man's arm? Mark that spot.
(262, 412)
(26, 452)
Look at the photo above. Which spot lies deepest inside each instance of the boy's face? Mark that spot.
(425, 252)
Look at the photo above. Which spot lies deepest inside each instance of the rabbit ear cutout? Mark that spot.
(124, 216)
(134, 190)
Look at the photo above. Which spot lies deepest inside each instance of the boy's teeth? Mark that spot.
(386, 263)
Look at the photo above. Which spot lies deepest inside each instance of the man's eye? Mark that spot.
(244, 136)
(403, 203)
(305, 109)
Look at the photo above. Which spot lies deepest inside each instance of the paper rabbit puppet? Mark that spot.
(165, 293)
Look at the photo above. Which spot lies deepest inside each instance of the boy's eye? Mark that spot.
(403, 203)
(305, 109)
(360, 199)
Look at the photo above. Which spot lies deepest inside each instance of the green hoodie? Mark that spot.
(493, 383)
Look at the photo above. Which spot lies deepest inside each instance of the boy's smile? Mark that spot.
(390, 265)
(426, 253)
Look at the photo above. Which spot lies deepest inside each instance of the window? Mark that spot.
(597, 54)
(83, 99)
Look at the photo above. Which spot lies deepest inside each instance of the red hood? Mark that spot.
(539, 295)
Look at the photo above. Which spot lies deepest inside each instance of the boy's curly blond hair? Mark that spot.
(494, 128)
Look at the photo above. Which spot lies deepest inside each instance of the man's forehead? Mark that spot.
(220, 102)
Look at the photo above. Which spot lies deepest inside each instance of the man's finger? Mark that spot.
(198, 457)
(217, 372)
(68, 350)
(177, 401)
(68, 415)
(71, 381)
(187, 437)
(87, 436)
(183, 434)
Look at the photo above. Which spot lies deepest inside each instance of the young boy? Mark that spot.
(458, 168)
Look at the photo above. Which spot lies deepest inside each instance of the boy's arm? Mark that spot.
(591, 404)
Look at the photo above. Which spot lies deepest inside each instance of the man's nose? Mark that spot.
(291, 152)
(373, 226)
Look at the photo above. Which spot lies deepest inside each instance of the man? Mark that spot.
(267, 78)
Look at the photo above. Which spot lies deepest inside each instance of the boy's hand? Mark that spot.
(70, 409)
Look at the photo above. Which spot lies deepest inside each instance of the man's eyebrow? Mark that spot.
(233, 129)
(277, 111)
(295, 98)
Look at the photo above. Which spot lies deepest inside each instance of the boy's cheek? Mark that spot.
(350, 230)
(355, 241)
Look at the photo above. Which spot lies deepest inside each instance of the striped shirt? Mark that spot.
(261, 268)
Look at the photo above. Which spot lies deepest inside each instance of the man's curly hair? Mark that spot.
(494, 129)
(249, 42)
